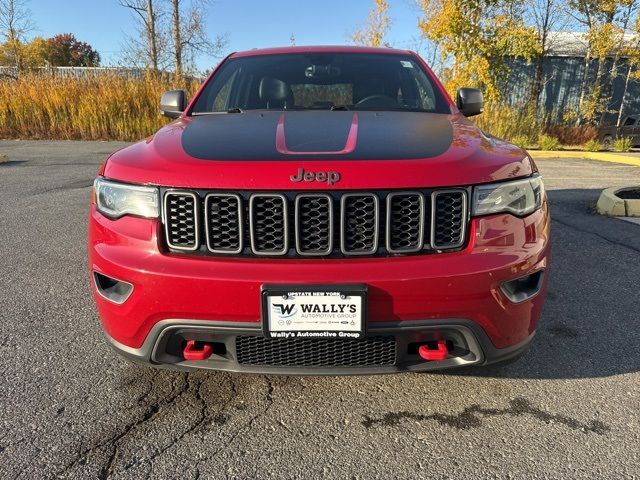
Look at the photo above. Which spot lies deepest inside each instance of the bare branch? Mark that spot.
(15, 24)
(190, 38)
(147, 47)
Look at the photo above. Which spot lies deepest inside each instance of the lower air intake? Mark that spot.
(302, 352)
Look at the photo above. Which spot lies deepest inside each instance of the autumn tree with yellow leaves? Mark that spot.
(606, 22)
(477, 38)
(375, 28)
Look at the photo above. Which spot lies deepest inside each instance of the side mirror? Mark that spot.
(173, 103)
(470, 101)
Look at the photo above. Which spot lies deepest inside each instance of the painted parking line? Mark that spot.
(635, 220)
(599, 156)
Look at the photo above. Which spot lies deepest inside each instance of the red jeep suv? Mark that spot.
(320, 210)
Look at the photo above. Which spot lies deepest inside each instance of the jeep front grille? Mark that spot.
(316, 224)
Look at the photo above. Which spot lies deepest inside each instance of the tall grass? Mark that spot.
(110, 106)
(98, 107)
(524, 127)
(510, 123)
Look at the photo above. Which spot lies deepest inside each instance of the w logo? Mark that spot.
(285, 311)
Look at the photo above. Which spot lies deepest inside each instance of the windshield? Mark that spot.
(324, 81)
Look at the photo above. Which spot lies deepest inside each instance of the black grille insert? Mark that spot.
(359, 229)
(268, 217)
(223, 214)
(405, 222)
(181, 217)
(449, 219)
(314, 224)
(303, 352)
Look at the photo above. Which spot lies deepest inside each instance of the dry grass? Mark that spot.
(116, 107)
(102, 107)
(571, 135)
(519, 125)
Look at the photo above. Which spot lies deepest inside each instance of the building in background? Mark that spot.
(564, 68)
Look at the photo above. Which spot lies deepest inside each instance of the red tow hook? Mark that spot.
(439, 353)
(193, 353)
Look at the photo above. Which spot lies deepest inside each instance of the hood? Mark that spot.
(368, 150)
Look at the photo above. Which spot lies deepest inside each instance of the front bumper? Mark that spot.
(408, 295)
(472, 347)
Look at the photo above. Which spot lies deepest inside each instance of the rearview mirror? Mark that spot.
(470, 101)
(173, 103)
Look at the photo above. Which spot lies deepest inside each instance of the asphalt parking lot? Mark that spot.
(71, 408)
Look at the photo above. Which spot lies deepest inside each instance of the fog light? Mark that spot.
(115, 291)
(523, 288)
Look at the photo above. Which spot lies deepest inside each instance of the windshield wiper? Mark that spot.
(235, 110)
(339, 107)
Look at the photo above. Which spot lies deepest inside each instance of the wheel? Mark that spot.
(607, 142)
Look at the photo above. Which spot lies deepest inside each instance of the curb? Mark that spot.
(600, 156)
(610, 204)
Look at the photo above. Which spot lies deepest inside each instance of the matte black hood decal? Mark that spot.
(317, 135)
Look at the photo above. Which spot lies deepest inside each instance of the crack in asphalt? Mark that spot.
(200, 422)
(113, 441)
(11, 444)
(151, 412)
(246, 426)
(75, 185)
(471, 417)
(607, 239)
(185, 386)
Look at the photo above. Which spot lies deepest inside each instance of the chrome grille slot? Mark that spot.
(448, 219)
(405, 222)
(359, 214)
(181, 218)
(223, 222)
(268, 224)
(314, 224)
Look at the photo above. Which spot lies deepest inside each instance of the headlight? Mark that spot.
(519, 197)
(117, 199)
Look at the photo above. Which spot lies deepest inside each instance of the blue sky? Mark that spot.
(248, 23)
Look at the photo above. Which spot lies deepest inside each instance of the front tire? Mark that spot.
(607, 142)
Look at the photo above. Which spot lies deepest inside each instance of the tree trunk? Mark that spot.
(611, 76)
(601, 75)
(583, 89)
(537, 82)
(177, 40)
(598, 82)
(608, 88)
(624, 95)
(151, 33)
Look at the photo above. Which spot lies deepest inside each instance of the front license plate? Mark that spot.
(314, 311)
